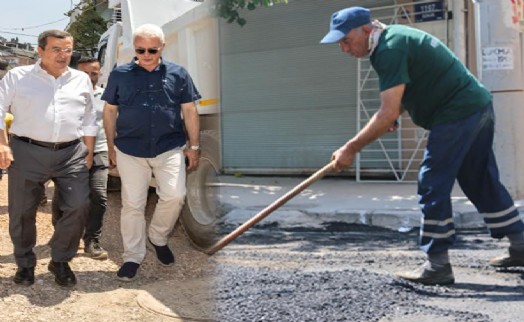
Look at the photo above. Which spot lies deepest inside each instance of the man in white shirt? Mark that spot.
(53, 109)
(8, 119)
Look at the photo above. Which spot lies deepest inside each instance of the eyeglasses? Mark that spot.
(142, 51)
(67, 51)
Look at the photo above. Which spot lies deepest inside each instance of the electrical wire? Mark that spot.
(72, 6)
(52, 22)
(37, 26)
(16, 33)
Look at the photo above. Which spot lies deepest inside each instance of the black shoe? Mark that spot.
(25, 276)
(127, 272)
(427, 275)
(163, 254)
(64, 276)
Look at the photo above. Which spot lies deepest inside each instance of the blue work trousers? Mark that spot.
(462, 150)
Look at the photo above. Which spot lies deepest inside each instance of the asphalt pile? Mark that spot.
(263, 294)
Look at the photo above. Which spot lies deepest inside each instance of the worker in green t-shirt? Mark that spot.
(419, 74)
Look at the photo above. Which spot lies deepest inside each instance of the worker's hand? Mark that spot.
(393, 127)
(6, 156)
(343, 158)
(111, 153)
(192, 157)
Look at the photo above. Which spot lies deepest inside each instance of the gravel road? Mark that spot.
(159, 294)
(266, 275)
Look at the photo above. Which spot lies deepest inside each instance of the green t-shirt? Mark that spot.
(439, 88)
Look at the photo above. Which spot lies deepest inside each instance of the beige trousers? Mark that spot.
(135, 173)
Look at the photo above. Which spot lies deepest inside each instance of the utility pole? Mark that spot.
(459, 31)
(500, 54)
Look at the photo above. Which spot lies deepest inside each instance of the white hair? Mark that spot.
(149, 31)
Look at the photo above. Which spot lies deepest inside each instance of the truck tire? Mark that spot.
(201, 214)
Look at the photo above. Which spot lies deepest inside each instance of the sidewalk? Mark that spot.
(334, 200)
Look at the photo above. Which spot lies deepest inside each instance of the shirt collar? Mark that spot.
(134, 64)
(374, 37)
(38, 69)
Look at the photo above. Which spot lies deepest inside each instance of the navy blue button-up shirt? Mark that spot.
(149, 119)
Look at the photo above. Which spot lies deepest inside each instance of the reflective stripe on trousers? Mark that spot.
(462, 150)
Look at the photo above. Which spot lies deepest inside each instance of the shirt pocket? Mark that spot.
(127, 95)
(173, 88)
(29, 97)
(22, 101)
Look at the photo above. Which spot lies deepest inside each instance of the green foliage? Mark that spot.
(229, 9)
(88, 27)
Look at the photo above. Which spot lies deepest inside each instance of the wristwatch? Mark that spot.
(195, 147)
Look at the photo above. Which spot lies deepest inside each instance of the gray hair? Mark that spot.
(149, 31)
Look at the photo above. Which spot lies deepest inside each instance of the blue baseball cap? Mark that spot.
(343, 21)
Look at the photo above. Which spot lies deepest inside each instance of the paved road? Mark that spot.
(276, 275)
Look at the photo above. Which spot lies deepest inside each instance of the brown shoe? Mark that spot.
(515, 259)
(429, 276)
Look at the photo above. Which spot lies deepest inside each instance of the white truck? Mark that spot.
(191, 41)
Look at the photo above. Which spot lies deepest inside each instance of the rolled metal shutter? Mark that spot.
(287, 102)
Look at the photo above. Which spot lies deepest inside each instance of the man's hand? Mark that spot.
(112, 157)
(89, 160)
(192, 156)
(6, 156)
(343, 158)
(192, 124)
(109, 121)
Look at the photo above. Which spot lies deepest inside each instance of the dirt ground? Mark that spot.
(179, 292)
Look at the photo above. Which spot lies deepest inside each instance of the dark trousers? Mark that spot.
(462, 151)
(97, 196)
(33, 166)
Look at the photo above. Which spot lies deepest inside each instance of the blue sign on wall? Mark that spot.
(429, 11)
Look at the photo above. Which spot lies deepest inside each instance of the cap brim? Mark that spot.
(332, 37)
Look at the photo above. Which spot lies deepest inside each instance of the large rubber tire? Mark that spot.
(201, 213)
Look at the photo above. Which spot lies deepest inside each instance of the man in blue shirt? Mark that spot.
(145, 102)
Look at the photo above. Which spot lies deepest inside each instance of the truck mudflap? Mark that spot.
(201, 213)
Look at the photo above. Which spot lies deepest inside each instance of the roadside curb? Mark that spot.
(330, 201)
(398, 220)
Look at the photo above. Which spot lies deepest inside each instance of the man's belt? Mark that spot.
(49, 145)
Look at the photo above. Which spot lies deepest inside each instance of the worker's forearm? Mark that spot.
(379, 124)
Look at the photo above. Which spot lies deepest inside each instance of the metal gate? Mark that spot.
(395, 156)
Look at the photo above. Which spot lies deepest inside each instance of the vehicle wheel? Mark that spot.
(201, 214)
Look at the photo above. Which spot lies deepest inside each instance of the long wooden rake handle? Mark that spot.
(269, 209)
